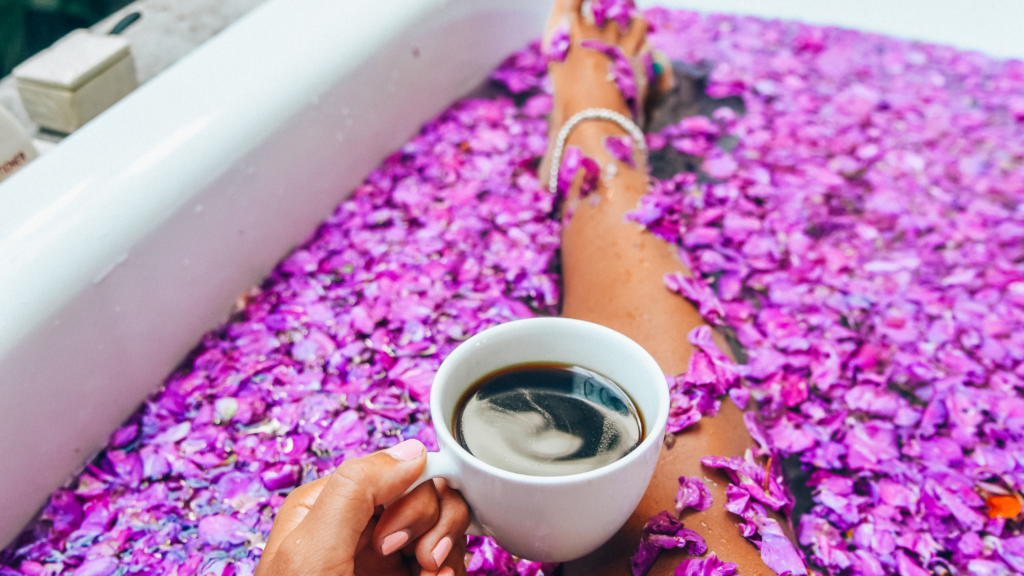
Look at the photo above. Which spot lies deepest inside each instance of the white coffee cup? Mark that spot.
(549, 518)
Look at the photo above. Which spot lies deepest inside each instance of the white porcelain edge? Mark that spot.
(120, 247)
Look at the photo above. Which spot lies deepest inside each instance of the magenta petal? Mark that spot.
(124, 435)
(645, 557)
(347, 430)
(620, 148)
(908, 567)
(664, 531)
(280, 476)
(619, 11)
(591, 176)
(710, 566)
(573, 161)
(558, 44)
(721, 167)
(692, 494)
(102, 566)
(710, 306)
(737, 500)
(777, 552)
(220, 529)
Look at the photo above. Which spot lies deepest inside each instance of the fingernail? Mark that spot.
(446, 571)
(406, 451)
(441, 550)
(393, 542)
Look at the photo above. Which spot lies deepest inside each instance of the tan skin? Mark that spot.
(337, 525)
(613, 275)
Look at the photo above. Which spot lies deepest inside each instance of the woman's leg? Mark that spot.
(613, 274)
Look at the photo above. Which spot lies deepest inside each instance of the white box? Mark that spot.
(76, 79)
(16, 149)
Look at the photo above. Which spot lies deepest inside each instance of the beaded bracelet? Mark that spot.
(591, 114)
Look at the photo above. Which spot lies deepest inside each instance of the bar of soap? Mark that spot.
(76, 79)
(16, 147)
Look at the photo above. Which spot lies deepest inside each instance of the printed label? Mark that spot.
(10, 166)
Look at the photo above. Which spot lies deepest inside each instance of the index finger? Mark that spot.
(329, 533)
(292, 512)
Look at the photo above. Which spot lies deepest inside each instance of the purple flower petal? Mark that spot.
(619, 11)
(220, 529)
(699, 292)
(777, 552)
(710, 566)
(620, 148)
(557, 46)
(692, 494)
(573, 161)
(102, 566)
(664, 531)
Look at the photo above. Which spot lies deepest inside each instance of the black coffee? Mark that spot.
(547, 420)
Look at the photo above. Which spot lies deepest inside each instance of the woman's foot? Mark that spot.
(600, 58)
(581, 80)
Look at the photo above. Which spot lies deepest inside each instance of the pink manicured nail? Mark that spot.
(406, 451)
(441, 550)
(393, 542)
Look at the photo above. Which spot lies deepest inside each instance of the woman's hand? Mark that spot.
(338, 526)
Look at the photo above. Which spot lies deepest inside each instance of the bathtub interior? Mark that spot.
(135, 236)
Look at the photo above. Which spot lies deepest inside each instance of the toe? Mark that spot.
(571, 6)
(666, 79)
(563, 10)
(636, 37)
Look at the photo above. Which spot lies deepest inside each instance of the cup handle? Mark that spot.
(440, 465)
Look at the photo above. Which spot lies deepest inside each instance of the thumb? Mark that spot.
(329, 533)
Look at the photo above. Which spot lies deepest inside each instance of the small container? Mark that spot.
(76, 79)
(16, 147)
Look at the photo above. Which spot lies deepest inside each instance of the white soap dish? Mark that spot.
(76, 79)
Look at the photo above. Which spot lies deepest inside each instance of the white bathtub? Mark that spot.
(127, 242)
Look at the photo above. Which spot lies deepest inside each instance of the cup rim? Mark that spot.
(654, 435)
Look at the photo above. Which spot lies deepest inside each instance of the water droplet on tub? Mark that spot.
(199, 208)
(110, 268)
(250, 169)
(339, 137)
